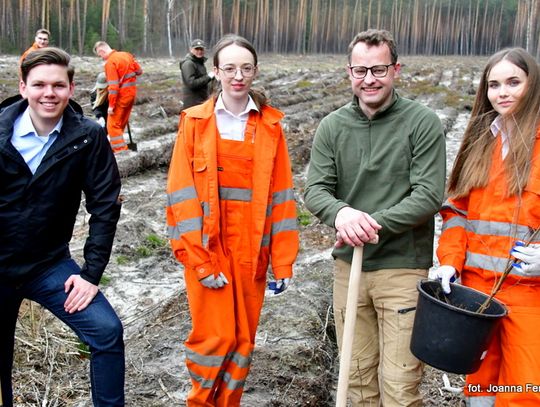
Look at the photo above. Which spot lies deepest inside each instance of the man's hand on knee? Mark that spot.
(81, 293)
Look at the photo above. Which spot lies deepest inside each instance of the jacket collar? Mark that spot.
(71, 129)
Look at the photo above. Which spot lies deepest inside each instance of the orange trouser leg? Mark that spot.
(220, 345)
(116, 122)
(512, 364)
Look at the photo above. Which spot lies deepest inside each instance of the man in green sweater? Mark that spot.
(378, 170)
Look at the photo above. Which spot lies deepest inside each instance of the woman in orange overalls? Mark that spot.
(231, 213)
(494, 202)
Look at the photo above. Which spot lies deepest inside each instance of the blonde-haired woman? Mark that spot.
(490, 223)
(99, 98)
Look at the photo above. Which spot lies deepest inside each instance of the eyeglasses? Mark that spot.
(378, 71)
(230, 71)
(42, 39)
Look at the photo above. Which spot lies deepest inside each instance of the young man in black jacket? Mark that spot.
(49, 155)
(197, 82)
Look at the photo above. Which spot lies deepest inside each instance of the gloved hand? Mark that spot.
(211, 74)
(214, 282)
(445, 274)
(529, 256)
(279, 286)
(101, 121)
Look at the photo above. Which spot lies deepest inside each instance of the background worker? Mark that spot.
(494, 202)
(50, 154)
(197, 82)
(378, 168)
(121, 70)
(41, 40)
(99, 98)
(231, 213)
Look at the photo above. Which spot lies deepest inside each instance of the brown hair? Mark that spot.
(258, 95)
(471, 168)
(375, 38)
(46, 56)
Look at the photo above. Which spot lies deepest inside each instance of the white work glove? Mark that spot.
(214, 282)
(445, 274)
(211, 74)
(279, 286)
(101, 121)
(529, 256)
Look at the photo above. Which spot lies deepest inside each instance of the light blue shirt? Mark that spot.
(27, 142)
(231, 126)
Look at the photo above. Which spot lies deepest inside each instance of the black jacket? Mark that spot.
(196, 80)
(38, 211)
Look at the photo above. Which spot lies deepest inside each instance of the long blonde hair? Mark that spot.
(473, 161)
(101, 97)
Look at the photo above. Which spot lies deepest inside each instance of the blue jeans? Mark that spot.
(98, 326)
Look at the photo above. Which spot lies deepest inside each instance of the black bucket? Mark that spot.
(448, 333)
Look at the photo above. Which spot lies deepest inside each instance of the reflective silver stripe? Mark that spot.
(205, 383)
(117, 138)
(282, 196)
(265, 241)
(113, 92)
(204, 360)
(233, 384)
(268, 211)
(112, 83)
(480, 401)
(486, 262)
(130, 75)
(456, 221)
(206, 208)
(235, 194)
(205, 240)
(284, 225)
(240, 360)
(125, 85)
(185, 226)
(215, 361)
(181, 195)
(482, 227)
(448, 205)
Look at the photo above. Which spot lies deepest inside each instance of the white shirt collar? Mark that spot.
(497, 127)
(23, 126)
(220, 106)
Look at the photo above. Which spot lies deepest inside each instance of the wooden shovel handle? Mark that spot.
(350, 321)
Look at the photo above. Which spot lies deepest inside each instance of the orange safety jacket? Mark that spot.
(121, 70)
(34, 47)
(479, 230)
(193, 211)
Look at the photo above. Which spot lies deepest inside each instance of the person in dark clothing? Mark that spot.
(197, 82)
(50, 154)
(99, 98)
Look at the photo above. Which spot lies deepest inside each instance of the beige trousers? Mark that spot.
(384, 372)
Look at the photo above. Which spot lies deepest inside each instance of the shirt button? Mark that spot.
(201, 270)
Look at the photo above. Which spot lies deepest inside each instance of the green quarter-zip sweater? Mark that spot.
(392, 167)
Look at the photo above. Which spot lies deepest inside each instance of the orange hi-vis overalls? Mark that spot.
(34, 47)
(478, 233)
(121, 69)
(231, 209)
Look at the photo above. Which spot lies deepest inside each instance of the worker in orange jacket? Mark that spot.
(41, 40)
(121, 69)
(231, 212)
(494, 202)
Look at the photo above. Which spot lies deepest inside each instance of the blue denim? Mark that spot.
(98, 326)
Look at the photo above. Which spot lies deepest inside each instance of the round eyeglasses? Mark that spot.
(378, 71)
(230, 71)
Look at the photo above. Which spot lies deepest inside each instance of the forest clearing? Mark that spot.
(295, 360)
